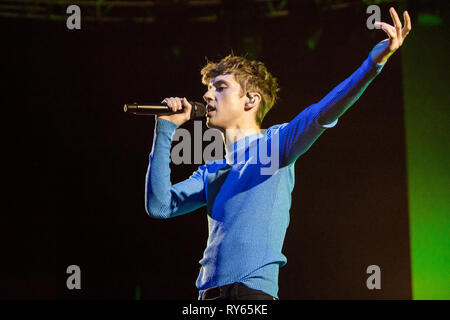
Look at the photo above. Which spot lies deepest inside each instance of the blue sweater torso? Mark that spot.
(247, 200)
(247, 220)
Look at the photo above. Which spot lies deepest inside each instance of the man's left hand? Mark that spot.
(384, 49)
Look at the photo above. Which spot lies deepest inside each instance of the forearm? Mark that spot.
(342, 97)
(298, 135)
(158, 196)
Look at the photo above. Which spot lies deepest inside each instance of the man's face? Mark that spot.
(225, 106)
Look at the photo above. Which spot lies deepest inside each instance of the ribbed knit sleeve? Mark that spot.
(297, 136)
(162, 199)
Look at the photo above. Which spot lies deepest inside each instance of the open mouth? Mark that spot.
(210, 110)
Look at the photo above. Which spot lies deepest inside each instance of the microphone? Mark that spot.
(198, 109)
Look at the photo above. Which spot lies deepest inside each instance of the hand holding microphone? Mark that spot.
(177, 104)
(176, 110)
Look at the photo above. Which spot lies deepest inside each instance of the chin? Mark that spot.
(211, 124)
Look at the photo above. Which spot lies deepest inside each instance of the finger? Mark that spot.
(187, 105)
(172, 104)
(397, 22)
(188, 108)
(407, 27)
(179, 104)
(390, 30)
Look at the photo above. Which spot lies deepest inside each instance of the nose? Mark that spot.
(208, 96)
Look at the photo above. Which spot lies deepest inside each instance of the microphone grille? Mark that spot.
(198, 109)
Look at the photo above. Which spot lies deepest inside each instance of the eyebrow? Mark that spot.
(218, 82)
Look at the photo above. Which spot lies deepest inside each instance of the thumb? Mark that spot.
(188, 106)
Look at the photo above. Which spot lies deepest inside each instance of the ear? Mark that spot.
(253, 100)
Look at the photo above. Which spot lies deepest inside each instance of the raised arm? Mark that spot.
(162, 199)
(297, 136)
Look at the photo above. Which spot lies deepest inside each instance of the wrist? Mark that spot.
(165, 124)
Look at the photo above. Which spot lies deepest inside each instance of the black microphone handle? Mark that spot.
(144, 110)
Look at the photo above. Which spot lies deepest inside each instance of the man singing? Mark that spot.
(248, 206)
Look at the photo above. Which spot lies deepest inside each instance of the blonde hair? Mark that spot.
(251, 76)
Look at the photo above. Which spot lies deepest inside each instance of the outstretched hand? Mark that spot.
(384, 49)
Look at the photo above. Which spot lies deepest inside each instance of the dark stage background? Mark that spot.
(77, 172)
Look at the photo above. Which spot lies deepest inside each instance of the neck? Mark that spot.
(232, 135)
(237, 142)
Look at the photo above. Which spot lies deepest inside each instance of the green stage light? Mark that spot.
(427, 19)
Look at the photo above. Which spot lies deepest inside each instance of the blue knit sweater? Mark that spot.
(247, 210)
